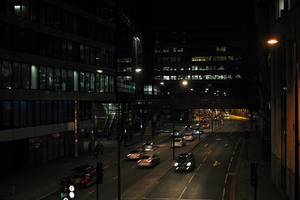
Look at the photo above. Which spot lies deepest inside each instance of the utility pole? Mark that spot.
(173, 141)
(76, 105)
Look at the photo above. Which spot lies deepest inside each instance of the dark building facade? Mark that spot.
(281, 61)
(56, 67)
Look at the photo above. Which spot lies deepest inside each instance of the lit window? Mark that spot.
(201, 58)
(182, 69)
(194, 77)
(221, 48)
(166, 50)
(238, 76)
(280, 8)
(166, 68)
(166, 78)
(172, 77)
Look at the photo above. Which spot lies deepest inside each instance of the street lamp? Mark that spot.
(162, 83)
(273, 42)
(184, 83)
(138, 70)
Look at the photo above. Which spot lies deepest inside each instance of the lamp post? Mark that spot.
(273, 42)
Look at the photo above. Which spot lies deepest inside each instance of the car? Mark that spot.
(179, 142)
(82, 176)
(184, 162)
(206, 125)
(135, 154)
(176, 133)
(148, 143)
(188, 136)
(148, 160)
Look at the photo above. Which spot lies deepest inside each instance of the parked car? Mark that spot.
(135, 154)
(82, 176)
(179, 142)
(148, 160)
(184, 162)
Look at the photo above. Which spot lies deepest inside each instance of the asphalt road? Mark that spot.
(161, 182)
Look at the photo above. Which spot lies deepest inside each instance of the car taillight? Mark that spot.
(149, 161)
(84, 181)
(139, 161)
(129, 155)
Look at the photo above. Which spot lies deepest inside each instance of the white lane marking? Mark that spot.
(46, 195)
(92, 191)
(199, 167)
(191, 178)
(226, 178)
(228, 168)
(231, 158)
(223, 194)
(205, 158)
(182, 192)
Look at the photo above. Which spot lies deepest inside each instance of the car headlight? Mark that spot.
(176, 164)
(188, 164)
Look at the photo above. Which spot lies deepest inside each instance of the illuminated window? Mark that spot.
(124, 60)
(188, 77)
(172, 77)
(180, 77)
(182, 69)
(166, 50)
(238, 76)
(166, 78)
(201, 58)
(194, 68)
(221, 48)
(194, 77)
(180, 50)
(280, 8)
(219, 58)
(166, 68)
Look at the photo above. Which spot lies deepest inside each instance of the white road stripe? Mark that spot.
(191, 178)
(223, 194)
(229, 167)
(231, 158)
(205, 158)
(226, 178)
(182, 192)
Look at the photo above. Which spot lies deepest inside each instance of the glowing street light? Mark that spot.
(138, 70)
(99, 71)
(185, 83)
(272, 41)
(162, 83)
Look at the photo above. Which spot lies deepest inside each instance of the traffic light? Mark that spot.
(99, 171)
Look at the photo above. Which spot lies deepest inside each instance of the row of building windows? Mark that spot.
(17, 114)
(14, 38)
(216, 58)
(16, 75)
(172, 59)
(168, 50)
(181, 50)
(44, 13)
(151, 90)
(192, 68)
(199, 77)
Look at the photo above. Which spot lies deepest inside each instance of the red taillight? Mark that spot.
(84, 181)
(128, 155)
(139, 161)
(149, 161)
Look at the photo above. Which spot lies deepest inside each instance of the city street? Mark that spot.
(215, 156)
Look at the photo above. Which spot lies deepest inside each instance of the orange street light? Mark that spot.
(272, 41)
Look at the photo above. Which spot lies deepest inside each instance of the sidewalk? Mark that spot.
(36, 182)
(266, 190)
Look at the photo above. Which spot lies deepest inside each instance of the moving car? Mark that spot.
(179, 142)
(82, 176)
(148, 160)
(184, 162)
(206, 126)
(188, 136)
(176, 133)
(135, 154)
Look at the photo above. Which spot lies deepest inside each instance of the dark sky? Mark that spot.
(195, 11)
